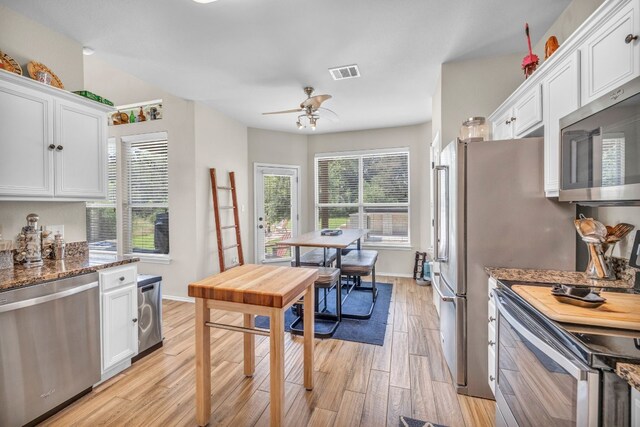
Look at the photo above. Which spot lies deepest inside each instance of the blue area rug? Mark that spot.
(369, 331)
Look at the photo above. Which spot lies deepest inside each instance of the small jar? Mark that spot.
(474, 129)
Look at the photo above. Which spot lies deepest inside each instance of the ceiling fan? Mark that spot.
(311, 110)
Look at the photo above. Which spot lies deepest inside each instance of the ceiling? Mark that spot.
(245, 57)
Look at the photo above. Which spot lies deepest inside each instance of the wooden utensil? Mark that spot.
(622, 230)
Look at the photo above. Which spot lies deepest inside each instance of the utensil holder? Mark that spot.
(598, 268)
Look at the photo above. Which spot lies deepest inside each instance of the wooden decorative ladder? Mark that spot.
(216, 211)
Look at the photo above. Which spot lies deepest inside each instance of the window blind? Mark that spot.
(101, 215)
(146, 197)
(368, 190)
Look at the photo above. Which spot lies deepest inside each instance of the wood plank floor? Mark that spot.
(355, 384)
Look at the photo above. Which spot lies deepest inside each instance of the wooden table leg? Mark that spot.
(309, 320)
(203, 363)
(276, 362)
(249, 346)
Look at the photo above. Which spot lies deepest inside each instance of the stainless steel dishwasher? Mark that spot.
(49, 346)
(149, 314)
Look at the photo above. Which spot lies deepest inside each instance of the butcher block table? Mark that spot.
(253, 290)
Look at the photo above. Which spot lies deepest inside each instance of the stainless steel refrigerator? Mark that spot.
(490, 210)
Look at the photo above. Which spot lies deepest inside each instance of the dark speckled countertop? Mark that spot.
(558, 276)
(629, 372)
(19, 276)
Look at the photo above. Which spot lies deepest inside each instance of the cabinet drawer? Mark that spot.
(116, 277)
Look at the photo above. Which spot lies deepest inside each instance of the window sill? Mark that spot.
(153, 259)
(406, 247)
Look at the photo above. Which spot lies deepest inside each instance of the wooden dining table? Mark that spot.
(253, 290)
(315, 239)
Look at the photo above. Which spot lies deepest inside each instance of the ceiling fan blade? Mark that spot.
(328, 114)
(297, 110)
(314, 101)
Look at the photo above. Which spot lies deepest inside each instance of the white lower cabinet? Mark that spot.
(635, 407)
(119, 319)
(493, 338)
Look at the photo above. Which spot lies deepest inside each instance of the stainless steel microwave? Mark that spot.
(600, 150)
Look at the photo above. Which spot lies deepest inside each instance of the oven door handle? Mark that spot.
(537, 337)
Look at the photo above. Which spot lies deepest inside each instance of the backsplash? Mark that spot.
(70, 214)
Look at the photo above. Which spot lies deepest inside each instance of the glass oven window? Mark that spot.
(538, 391)
(603, 150)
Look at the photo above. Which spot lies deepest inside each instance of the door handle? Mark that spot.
(442, 297)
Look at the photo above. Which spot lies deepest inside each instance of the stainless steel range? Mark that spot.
(557, 374)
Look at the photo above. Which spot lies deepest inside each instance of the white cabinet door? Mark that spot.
(502, 127)
(561, 95)
(26, 127)
(609, 58)
(527, 112)
(119, 325)
(81, 152)
(635, 407)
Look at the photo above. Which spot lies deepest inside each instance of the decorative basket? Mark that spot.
(35, 67)
(9, 64)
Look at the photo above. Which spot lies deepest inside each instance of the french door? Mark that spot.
(276, 214)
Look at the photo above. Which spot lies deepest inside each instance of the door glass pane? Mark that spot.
(538, 391)
(278, 223)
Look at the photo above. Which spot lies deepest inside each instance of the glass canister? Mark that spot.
(474, 129)
(32, 242)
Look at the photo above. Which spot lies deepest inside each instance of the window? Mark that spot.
(365, 190)
(145, 208)
(101, 215)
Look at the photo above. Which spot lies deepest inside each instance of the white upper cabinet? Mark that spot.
(527, 112)
(518, 118)
(610, 56)
(26, 125)
(80, 153)
(53, 143)
(602, 54)
(561, 94)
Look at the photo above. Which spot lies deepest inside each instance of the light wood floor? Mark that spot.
(355, 384)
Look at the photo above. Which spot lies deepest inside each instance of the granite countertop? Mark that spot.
(629, 372)
(19, 276)
(555, 276)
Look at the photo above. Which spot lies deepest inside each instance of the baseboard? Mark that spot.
(177, 298)
(407, 275)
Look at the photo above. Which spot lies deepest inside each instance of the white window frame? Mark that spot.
(360, 204)
(144, 257)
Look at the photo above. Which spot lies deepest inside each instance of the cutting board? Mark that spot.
(621, 310)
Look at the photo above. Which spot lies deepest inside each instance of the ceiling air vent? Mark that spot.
(345, 72)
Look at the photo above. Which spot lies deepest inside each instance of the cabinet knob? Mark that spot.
(59, 148)
(121, 278)
(491, 319)
(261, 226)
(52, 146)
(630, 38)
(492, 343)
(135, 320)
(507, 122)
(492, 378)
(513, 119)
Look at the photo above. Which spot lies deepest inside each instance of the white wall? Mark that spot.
(220, 143)
(279, 148)
(26, 40)
(417, 138)
(475, 88)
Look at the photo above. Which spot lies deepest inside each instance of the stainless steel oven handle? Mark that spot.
(436, 215)
(39, 300)
(575, 370)
(443, 297)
